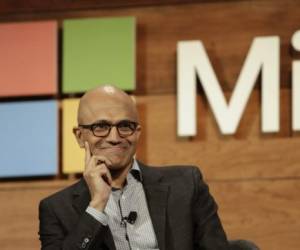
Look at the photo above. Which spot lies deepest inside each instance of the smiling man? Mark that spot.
(121, 203)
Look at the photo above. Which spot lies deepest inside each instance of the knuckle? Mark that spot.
(93, 174)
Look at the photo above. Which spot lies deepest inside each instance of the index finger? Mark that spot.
(88, 154)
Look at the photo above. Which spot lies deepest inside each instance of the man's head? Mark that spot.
(102, 107)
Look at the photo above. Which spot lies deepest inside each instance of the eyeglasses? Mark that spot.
(102, 128)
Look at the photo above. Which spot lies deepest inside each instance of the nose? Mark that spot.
(113, 136)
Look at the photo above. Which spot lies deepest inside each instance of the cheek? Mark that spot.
(133, 140)
(94, 144)
(131, 146)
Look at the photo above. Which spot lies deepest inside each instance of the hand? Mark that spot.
(98, 178)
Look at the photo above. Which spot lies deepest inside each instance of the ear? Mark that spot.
(79, 137)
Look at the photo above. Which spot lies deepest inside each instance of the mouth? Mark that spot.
(115, 148)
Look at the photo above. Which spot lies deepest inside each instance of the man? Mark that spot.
(121, 203)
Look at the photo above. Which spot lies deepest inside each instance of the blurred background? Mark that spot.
(51, 52)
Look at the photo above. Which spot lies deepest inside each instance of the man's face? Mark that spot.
(118, 150)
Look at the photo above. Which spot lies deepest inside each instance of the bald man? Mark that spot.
(121, 203)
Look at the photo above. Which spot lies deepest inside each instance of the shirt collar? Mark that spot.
(136, 171)
(134, 174)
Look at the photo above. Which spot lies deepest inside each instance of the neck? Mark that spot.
(119, 176)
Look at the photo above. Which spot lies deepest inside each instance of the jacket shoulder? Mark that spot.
(175, 171)
(64, 194)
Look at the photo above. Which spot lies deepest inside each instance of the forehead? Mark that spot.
(107, 111)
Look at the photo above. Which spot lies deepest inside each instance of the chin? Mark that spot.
(117, 164)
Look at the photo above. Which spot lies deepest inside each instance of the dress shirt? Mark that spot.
(139, 235)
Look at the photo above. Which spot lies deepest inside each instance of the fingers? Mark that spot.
(97, 165)
(99, 172)
(105, 174)
(107, 177)
(102, 163)
(88, 154)
(99, 159)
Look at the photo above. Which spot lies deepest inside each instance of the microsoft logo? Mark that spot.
(39, 73)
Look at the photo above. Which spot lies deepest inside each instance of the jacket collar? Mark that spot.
(157, 197)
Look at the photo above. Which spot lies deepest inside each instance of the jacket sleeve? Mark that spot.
(209, 233)
(87, 233)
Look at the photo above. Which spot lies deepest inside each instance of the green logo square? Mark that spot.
(98, 51)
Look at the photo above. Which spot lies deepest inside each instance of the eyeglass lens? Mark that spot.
(125, 128)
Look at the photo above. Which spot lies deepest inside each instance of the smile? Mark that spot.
(116, 148)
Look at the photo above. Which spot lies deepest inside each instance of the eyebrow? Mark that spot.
(99, 121)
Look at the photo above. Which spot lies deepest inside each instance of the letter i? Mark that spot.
(296, 84)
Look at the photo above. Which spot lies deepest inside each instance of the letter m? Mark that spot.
(192, 59)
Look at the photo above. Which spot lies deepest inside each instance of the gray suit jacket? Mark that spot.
(183, 213)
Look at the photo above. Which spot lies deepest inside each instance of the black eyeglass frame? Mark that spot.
(93, 126)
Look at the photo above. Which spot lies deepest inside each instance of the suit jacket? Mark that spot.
(184, 214)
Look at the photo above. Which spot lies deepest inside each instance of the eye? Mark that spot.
(101, 126)
(126, 126)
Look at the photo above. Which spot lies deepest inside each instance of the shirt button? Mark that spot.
(123, 197)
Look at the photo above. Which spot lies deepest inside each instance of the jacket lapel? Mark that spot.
(157, 195)
(81, 197)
